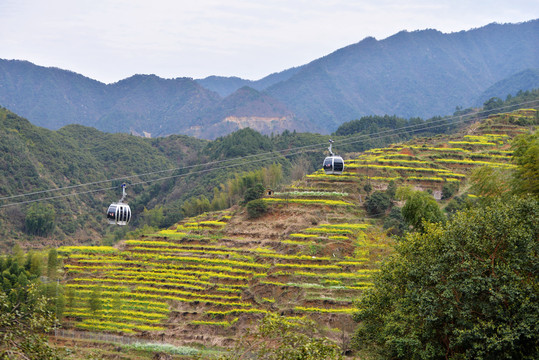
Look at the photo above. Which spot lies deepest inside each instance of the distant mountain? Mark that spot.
(246, 107)
(50, 97)
(155, 105)
(225, 86)
(524, 80)
(421, 73)
(53, 98)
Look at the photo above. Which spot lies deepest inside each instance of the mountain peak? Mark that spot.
(421, 73)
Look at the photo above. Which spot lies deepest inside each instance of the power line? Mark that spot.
(446, 121)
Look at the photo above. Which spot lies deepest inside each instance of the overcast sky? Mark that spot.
(109, 40)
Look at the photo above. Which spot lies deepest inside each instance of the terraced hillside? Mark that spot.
(206, 279)
(429, 163)
(209, 277)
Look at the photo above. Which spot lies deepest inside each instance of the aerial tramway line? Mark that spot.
(119, 213)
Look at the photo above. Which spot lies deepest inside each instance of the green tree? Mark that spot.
(23, 324)
(523, 180)
(70, 296)
(449, 189)
(368, 188)
(52, 264)
(466, 290)
(404, 192)
(526, 157)
(154, 217)
(256, 208)
(18, 254)
(421, 207)
(253, 193)
(459, 203)
(277, 338)
(492, 105)
(35, 263)
(391, 190)
(273, 175)
(394, 222)
(195, 206)
(377, 203)
(491, 182)
(40, 219)
(95, 301)
(56, 298)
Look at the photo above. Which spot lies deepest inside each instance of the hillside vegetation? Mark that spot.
(167, 178)
(79, 170)
(311, 253)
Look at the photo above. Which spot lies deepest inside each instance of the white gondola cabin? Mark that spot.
(119, 213)
(333, 164)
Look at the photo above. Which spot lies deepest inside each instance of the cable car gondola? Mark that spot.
(119, 213)
(333, 164)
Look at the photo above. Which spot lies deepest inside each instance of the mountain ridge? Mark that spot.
(420, 73)
(417, 58)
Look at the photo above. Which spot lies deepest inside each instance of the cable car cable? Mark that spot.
(346, 141)
(352, 139)
(140, 182)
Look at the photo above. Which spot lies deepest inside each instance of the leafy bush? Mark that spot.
(449, 189)
(367, 187)
(395, 222)
(377, 203)
(256, 208)
(253, 193)
(421, 207)
(466, 290)
(40, 219)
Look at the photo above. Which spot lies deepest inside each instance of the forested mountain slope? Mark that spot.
(35, 159)
(80, 169)
(419, 73)
(527, 79)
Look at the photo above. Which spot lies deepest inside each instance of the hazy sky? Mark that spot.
(109, 40)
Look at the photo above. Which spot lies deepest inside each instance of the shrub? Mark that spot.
(449, 189)
(367, 188)
(377, 203)
(395, 222)
(256, 208)
(40, 219)
(253, 193)
(421, 207)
